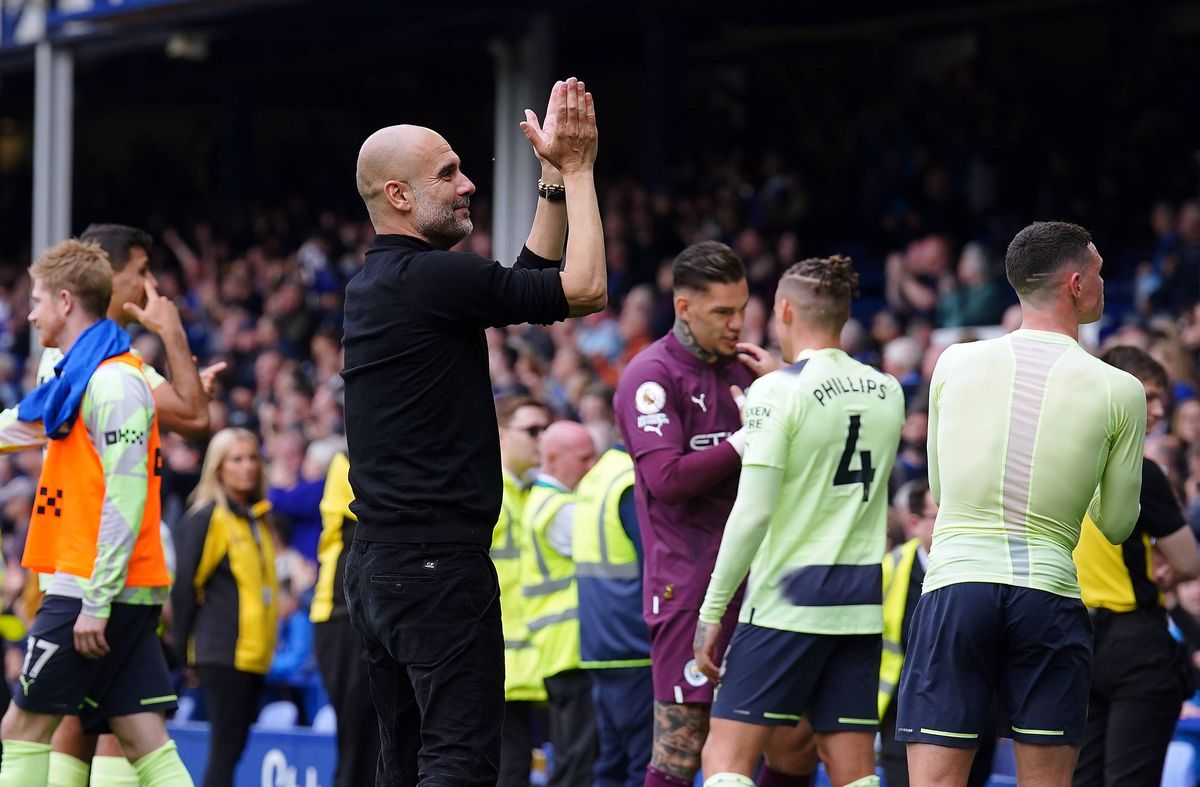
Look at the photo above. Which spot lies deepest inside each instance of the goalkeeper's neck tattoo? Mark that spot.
(683, 332)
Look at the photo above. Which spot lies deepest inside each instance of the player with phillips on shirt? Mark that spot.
(810, 527)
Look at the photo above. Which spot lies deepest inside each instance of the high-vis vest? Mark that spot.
(897, 573)
(522, 666)
(65, 523)
(612, 630)
(551, 600)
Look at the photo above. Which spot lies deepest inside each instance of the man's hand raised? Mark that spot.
(568, 140)
(160, 314)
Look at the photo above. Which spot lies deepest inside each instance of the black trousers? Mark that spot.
(893, 755)
(572, 728)
(429, 615)
(1140, 677)
(343, 665)
(231, 698)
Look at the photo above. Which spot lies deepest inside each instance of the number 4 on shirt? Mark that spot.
(865, 473)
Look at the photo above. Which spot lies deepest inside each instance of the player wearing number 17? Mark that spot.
(809, 525)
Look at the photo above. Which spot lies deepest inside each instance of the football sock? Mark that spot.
(728, 780)
(866, 781)
(163, 768)
(25, 763)
(66, 771)
(108, 771)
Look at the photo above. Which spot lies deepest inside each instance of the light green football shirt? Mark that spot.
(52, 355)
(828, 427)
(1024, 432)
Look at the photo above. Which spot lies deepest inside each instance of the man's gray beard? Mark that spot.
(442, 228)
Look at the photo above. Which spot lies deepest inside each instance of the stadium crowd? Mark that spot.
(268, 303)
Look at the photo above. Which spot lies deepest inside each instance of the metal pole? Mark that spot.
(53, 132)
(43, 134)
(64, 138)
(521, 68)
(53, 128)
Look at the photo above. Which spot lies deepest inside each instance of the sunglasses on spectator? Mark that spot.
(533, 431)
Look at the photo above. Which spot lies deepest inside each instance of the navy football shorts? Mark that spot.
(1033, 649)
(132, 678)
(775, 677)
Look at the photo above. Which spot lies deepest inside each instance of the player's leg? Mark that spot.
(849, 757)
(931, 765)
(128, 696)
(682, 697)
(763, 689)
(680, 730)
(25, 737)
(944, 696)
(1045, 766)
(156, 760)
(734, 747)
(54, 681)
(790, 757)
(110, 768)
(71, 754)
(844, 709)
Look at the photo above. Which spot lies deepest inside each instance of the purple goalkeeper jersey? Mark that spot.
(675, 413)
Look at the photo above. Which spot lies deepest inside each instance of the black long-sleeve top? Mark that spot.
(420, 420)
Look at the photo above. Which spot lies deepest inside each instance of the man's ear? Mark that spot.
(398, 194)
(1075, 284)
(787, 312)
(66, 300)
(681, 305)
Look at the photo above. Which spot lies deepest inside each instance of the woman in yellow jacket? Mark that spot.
(225, 593)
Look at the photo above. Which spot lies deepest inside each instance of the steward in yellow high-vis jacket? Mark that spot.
(340, 655)
(552, 597)
(521, 419)
(614, 639)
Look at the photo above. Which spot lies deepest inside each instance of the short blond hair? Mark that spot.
(80, 268)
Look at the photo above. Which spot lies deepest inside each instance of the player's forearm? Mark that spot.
(189, 415)
(17, 435)
(584, 278)
(758, 492)
(675, 478)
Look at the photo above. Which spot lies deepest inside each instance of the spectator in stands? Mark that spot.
(293, 668)
(225, 596)
(902, 359)
(976, 298)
